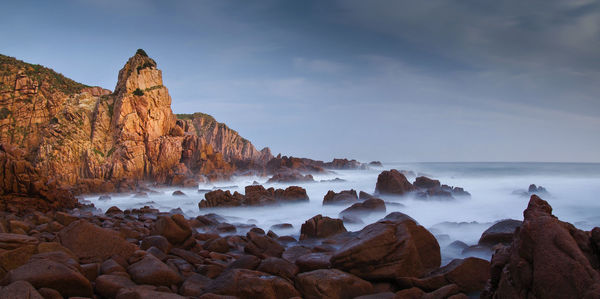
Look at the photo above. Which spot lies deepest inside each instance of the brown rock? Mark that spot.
(175, 228)
(47, 273)
(93, 244)
(393, 182)
(262, 246)
(321, 227)
(331, 283)
(143, 292)
(371, 205)
(151, 270)
(279, 267)
(395, 246)
(109, 285)
(314, 261)
(548, 258)
(194, 285)
(251, 284)
(500, 233)
(12, 259)
(469, 274)
(343, 197)
(19, 289)
(50, 293)
(12, 241)
(159, 242)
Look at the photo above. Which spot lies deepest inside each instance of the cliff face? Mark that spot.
(93, 140)
(223, 139)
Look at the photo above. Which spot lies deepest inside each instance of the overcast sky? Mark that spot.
(432, 80)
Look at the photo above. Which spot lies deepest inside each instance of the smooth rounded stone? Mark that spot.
(159, 242)
(321, 227)
(12, 259)
(251, 284)
(194, 285)
(371, 205)
(220, 245)
(443, 292)
(411, 293)
(109, 285)
(44, 247)
(314, 261)
(286, 240)
(281, 226)
(143, 292)
(257, 230)
(470, 275)
(501, 232)
(10, 241)
(342, 197)
(65, 218)
(109, 266)
(151, 270)
(188, 256)
(90, 271)
(393, 182)
(46, 273)
(50, 293)
(19, 289)
(424, 182)
(92, 243)
(383, 295)
(175, 228)
(262, 246)
(395, 246)
(279, 267)
(331, 283)
(113, 211)
(249, 262)
(178, 193)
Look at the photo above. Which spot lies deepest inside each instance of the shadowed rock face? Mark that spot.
(92, 140)
(548, 258)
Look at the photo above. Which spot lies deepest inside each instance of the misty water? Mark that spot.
(573, 188)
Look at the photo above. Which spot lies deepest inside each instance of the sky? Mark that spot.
(404, 81)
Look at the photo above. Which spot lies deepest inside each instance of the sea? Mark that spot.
(498, 191)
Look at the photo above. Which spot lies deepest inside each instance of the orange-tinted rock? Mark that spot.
(321, 227)
(331, 283)
(393, 182)
(251, 284)
(343, 197)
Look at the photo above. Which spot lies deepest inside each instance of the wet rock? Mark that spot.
(178, 193)
(109, 285)
(142, 292)
(343, 197)
(544, 260)
(151, 270)
(331, 283)
(194, 285)
(12, 241)
(314, 261)
(501, 232)
(290, 177)
(176, 228)
(251, 284)
(93, 244)
(375, 164)
(537, 189)
(279, 267)
(470, 275)
(220, 198)
(48, 273)
(321, 227)
(262, 246)
(395, 246)
(159, 242)
(109, 266)
(426, 183)
(248, 262)
(372, 205)
(281, 226)
(19, 289)
(393, 182)
(104, 197)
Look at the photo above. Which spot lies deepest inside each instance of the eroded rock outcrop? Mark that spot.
(254, 195)
(548, 258)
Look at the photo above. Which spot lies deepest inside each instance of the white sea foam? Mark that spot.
(574, 193)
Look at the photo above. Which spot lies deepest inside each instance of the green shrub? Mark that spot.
(138, 92)
(98, 152)
(4, 113)
(141, 52)
(110, 152)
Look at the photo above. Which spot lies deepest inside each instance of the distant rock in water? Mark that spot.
(290, 177)
(375, 164)
(254, 195)
(371, 205)
(336, 180)
(342, 197)
(321, 227)
(533, 189)
(547, 258)
(393, 182)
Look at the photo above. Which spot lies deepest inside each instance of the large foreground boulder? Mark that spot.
(393, 247)
(251, 284)
(91, 243)
(547, 259)
(393, 182)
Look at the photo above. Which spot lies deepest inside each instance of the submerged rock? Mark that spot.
(501, 232)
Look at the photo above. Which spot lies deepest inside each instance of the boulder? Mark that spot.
(321, 227)
(48, 273)
(470, 275)
(393, 247)
(424, 182)
(176, 229)
(393, 182)
(91, 243)
(251, 284)
(12, 241)
(150, 270)
(262, 246)
(220, 198)
(343, 197)
(19, 289)
(314, 261)
(291, 193)
(194, 285)
(279, 267)
(501, 232)
(547, 258)
(109, 285)
(143, 292)
(371, 205)
(331, 283)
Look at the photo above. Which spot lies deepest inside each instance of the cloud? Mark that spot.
(318, 65)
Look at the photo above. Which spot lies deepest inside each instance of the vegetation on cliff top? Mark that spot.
(10, 66)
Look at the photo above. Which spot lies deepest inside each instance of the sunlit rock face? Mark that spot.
(92, 140)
